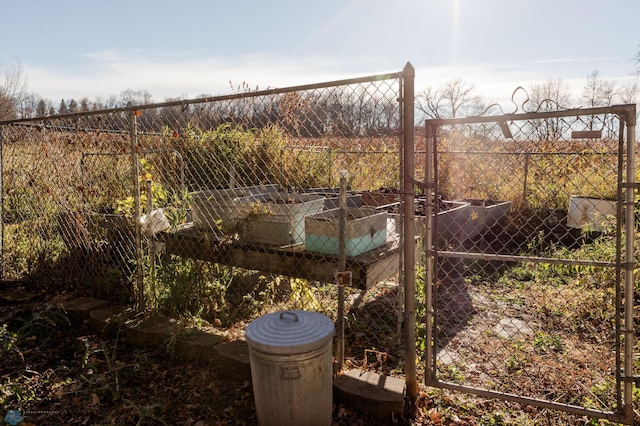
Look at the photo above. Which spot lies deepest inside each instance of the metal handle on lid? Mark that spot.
(293, 314)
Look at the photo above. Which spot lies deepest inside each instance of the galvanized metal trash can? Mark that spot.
(291, 368)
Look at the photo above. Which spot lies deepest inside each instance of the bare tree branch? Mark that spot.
(452, 100)
(13, 88)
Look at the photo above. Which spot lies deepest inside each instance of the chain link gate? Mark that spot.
(222, 208)
(530, 255)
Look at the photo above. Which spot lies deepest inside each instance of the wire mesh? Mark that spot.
(527, 278)
(247, 188)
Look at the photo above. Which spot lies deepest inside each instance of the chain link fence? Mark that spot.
(226, 208)
(237, 201)
(531, 296)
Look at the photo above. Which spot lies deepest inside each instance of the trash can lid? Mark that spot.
(289, 332)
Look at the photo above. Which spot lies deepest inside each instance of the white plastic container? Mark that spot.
(594, 214)
(291, 368)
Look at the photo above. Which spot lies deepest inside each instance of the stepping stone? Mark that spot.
(109, 321)
(151, 332)
(513, 328)
(233, 360)
(78, 310)
(366, 391)
(198, 345)
(16, 296)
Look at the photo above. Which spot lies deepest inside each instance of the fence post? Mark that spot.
(629, 253)
(133, 123)
(342, 277)
(408, 197)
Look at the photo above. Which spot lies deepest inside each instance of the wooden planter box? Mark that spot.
(366, 229)
(277, 218)
(380, 199)
(483, 215)
(332, 197)
(452, 216)
(217, 209)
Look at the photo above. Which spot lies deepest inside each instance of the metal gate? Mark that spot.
(529, 258)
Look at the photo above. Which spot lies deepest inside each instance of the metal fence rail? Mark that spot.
(247, 185)
(530, 296)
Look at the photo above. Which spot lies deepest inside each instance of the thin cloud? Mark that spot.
(189, 74)
(554, 61)
(110, 72)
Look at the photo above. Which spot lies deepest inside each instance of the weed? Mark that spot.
(454, 374)
(8, 348)
(545, 342)
(302, 296)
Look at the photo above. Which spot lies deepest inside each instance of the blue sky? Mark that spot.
(90, 48)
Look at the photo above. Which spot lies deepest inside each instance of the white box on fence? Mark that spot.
(596, 214)
(366, 229)
(277, 218)
(217, 210)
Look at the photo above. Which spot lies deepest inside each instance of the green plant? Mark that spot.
(517, 361)
(44, 320)
(545, 342)
(8, 348)
(302, 296)
(159, 195)
(454, 374)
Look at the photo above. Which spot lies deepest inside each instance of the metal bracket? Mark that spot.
(627, 185)
(381, 358)
(343, 277)
(632, 379)
(420, 184)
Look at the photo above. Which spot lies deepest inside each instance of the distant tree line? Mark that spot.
(312, 114)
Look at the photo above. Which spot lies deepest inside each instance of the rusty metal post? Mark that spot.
(133, 129)
(408, 224)
(341, 277)
(629, 279)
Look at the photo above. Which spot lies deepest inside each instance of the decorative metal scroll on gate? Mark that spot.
(529, 274)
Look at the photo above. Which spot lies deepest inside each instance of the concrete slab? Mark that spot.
(78, 310)
(233, 359)
(366, 391)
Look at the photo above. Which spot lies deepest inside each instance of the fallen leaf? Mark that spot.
(95, 400)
